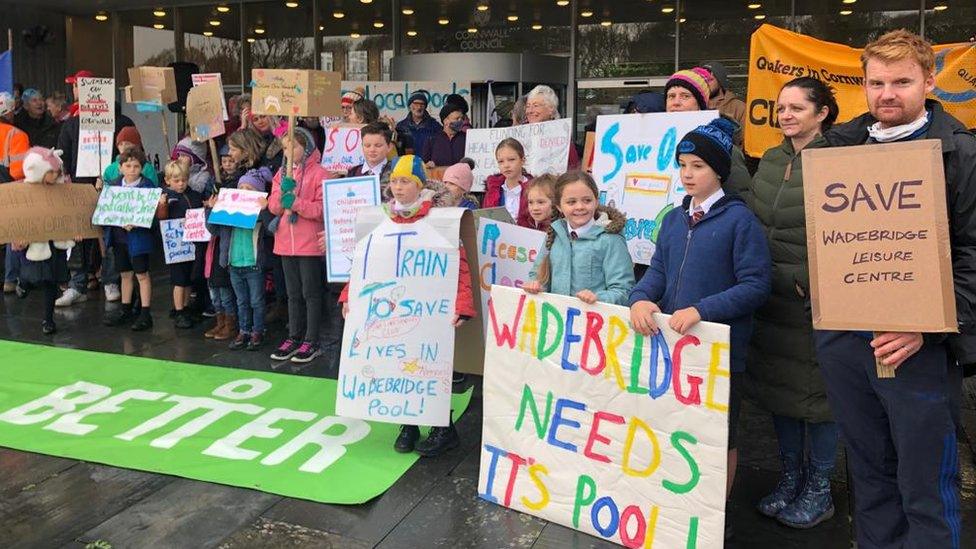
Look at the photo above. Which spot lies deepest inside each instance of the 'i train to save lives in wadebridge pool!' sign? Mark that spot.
(777, 56)
(591, 425)
(635, 168)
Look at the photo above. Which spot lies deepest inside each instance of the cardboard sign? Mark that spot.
(31, 212)
(295, 92)
(588, 152)
(506, 254)
(777, 56)
(593, 426)
(546, 148)
(203, 78)
(195, 226)
(343, 148)
(237, 208)
(96, 104)
(204, 111)
(156, 85)
(398, 342)
(878, 238)
(635, 169)
(175, 249)
(121, 206)
(94, 153)
(343, 199)
(391, 97)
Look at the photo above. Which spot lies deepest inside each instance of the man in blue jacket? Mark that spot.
(418, 126)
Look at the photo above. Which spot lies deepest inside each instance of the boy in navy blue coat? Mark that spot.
(712, 262)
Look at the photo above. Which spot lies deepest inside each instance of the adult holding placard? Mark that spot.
(899, 432)
(542, 105)
(783, 375)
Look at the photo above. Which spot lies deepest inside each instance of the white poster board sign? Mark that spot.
(398, 343)
(195, 226)
(175, 249)
(122, 206)
(635, 168)
(391, 96)
(579, 433)
(94, 153)
(506, 254)
(342, 149)
(96, 104)
(546, 148)
(343, 199)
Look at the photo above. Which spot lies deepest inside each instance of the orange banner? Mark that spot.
(777, 56)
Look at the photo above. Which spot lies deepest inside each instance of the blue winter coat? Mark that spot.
(139, 239)
(597, 261)
(721, 267)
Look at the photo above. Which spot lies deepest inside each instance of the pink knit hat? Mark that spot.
(694, 80)
(460, 175)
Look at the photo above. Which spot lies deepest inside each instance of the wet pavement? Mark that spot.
(55, 502)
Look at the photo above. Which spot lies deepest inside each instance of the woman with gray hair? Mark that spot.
(542, 105)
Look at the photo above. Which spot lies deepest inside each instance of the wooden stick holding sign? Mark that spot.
(878, 240)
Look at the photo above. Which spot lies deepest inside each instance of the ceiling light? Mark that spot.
(848, 1)
(472, 30)
(443, 21)
(586, 13)
(366, 1)
(208, 33)
(941, 7)
(378, 24)
(250, 40)
(101, 17)
(291, 4)
(321, 28)
(846, 12)
(754, 6)
(482, 7)
(682, 20)
(354, 35)
(667, 9)
(562, 3)
(159, 13)
(159, 26)
(759, 16)
(223, 9)
(513, 18)
(411, 33)
(214, 23)
(537, 27)
(338, 14)
(606, 23)
(407, 11)
(259, 30)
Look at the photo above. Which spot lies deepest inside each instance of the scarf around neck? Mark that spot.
(897, 133)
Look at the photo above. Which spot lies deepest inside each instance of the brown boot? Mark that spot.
(218, 327)
(230, 328)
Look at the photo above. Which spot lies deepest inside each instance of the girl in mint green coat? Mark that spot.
(585, 254)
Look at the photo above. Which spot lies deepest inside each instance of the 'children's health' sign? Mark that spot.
(343, 198)
(398, 343)
(596, 427)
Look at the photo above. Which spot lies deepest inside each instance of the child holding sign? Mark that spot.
(712, 261)
(412, 201)
(585, 254)
(179, 199)
(45, 264)
(132, 246)
(508, 187)
(297, 199)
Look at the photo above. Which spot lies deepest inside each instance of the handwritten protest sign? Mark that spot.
(94, 153)
(398, 343)
(33, 213)
(878, 238)
(121, 206)
(295, 92)
(343, 199)
(506, 254)
(237, 208)
(546, 148)
(635, 169)
(342, 149)
(195, 226)
(203, 78)
(593, 426)
(204, 111)
(156, 85)
(96, 104)
(391, 97)
(175, 249)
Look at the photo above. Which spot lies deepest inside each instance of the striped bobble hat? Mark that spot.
(410, 166)
(693, 80)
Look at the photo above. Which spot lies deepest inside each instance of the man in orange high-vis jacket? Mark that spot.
(13, 142)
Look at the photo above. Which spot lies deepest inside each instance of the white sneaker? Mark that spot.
(70, 297)
(112, 292)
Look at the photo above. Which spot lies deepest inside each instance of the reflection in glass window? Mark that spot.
(387, 59)
(855, 24)
(327, 63)
(214, 48)
(152, 47)
(357, 65)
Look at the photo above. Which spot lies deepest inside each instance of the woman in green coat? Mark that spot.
(782, 373)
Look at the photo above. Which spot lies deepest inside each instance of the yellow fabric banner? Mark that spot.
(777, 56)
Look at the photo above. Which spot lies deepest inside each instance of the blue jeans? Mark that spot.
(248, 283)
(109, 274)
(11, 265)
(223, 300)
(822, 438)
